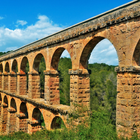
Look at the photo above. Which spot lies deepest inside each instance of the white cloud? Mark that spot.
(11, 39)
(65, 54)
(104, 52)
(21, 22)
(1, 17)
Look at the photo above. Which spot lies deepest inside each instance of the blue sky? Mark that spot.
(22, 22)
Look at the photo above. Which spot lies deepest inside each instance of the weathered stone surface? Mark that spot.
(21, 105)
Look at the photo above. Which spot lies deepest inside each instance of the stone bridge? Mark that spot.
(121, 26)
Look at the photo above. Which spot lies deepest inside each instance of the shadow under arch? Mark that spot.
(13, 78)
(14, 66)
(24, 69)
(5, 114)
(136, 55)
(57, 123)
(13, 110)
(0, 100)
(56, 57)
(39, 65)
(7, 67)
(102, 79)
(37, 120)
(39, 57)
(6, 81)
(1, 72)
(61, 66)
(23, 116)
(1, 68)
(88, 49)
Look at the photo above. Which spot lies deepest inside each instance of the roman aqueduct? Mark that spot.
(121, 26)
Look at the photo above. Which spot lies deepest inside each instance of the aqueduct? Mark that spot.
(21, 108)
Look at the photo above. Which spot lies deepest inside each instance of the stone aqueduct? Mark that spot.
(121, 26)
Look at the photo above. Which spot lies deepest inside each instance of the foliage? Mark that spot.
(103, 106)
(100, 128)
(63, 67)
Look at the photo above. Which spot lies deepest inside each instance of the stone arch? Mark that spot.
(23, 77)
(54, 76)
(23, 116)
(6, 81)
(83, 75)
(1, 72)
(14, 66)
(4, 114)
(7, 67)
(136, 55)
(39, 78)
(1, 68)
(37, 61)
(57, 123)
(13, 105)
(87, 51)
(13, 77)
(55, 58)
(12, 110)
(0, 99)
(36, 120)
(24, 61)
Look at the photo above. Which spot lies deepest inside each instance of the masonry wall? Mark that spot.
(120, 26)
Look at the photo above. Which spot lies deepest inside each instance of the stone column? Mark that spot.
(128, 101)
(8, 122)
(22, 122)
(52, 95)
(2, 81)
(79, 88)
(6, 81)
(17, 123)
(13, 83)
(34, 85)
(4, 116)
(1, 117)
(21, 84)
(11, 123)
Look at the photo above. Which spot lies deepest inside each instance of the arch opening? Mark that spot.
(136, 55)
(1, 71)
(0, 100)
(102, 81)
(1, 68)
(24, 69)
(61, 62)
(13, 77)
(23, 116)
(15, 66)
(40, 66)
(6, 81)
(57, 123)
(5, 114)
(37, 120)
(7, 67)
(13, 110)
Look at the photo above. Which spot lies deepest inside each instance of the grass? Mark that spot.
(100, 128)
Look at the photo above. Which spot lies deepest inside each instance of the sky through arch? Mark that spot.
(104, 52)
